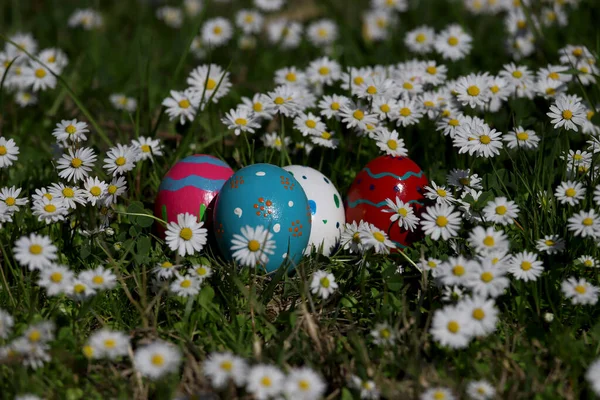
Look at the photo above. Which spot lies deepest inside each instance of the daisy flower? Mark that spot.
(182, 105)
(283, 100)
(330, 106)
(249, 21)
(273, 141)
(519, 79)
(156, 359)
(309, 124)
(72, 130)
(8, 152)
(409, 112)
(107, 343)
(322, 33)
(221, 368)
(487, 280)
(452, 293)
(77, 164)
(258, 105)
(499, 90)
(216, 32)
(374, 86)
(95, 190)
(38, 77)
(550, 244)
(449, 125)
(185, 285)
(99, 278)
(440, 221)
(120, 159)
(186, 236)
(35, 251)
(437, 393)
(453, 43)
(10, 197)
(56, 279)
(290, 76)
(355, 116)
(323, 284)
(420, 40)
(480, 390)
(402, 213)
(587, 261)
(25, 99)
(264, 381)
(304, 384)
(579, 291)
(389, 143)
(49, 211)
(383, 334)
(430, 264)
(525, 266)
(6, 324)
(209, 81)
(240, 120)
(285, 33)
(440, 194)
(456, 271)
(367, 388)
(479, 139)
(269, 5)
(472, 90)
(384, 107)
(147, 148)
(584, 224)
(376, 239)
(117, 187)
(451, 327)
(501, 211)
(463, 179)
(80, 290)
(253, 247)
(87, 18)
(570, 192)
(521, 138)
(376, 24)
(323, 71)
(436, 73)
(122, 102)
(351, 237)
(567, 112)
(325, 139)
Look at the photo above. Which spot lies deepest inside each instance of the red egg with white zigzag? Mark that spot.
(387, 177)
(191, 186)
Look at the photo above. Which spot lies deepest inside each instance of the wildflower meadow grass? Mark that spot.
(495, 100)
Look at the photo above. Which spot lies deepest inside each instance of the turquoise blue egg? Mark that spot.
(264, 194)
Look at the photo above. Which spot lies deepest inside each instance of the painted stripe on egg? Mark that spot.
(354, 203)
(401, 178)
(200, 159)
(184, 169)
(194, 181)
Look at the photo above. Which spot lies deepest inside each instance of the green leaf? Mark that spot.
(395, 283)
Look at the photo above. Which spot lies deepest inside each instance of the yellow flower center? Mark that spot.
(589, 115)
(458, 270)
(241, 121)
(485, 139)
(402, 212)
(372, 90)
(185, 103)
(431, 70)
(392, 144)
(407, 86)
(453, 122)
(112, 189)
(385, 108)
(554, 76)
(257, 107)
(358, 114)
(588, 221)
(35, 336)
(405, 112)
(478, 313)
(358, 80)
(226, 365)
(420, 38)
(429, 103)
(98, 280)
(303, 385)
(526, 265)
(521, 24)
(279, 100)
(290, 76)
(10, 201)
(473, 91)
(79, 288)
(578, 52)
(567, 114)
(356, 237)
(310, 123)
(217, 30)
(487, 277)
(578, 157)
(253, 245)
(452, 41)
(322, 32)
(570, 192)
(439, 396)
(88, 351)
(453, 326)
(186, 234)
(588, 263)
(110, 343)
(51, 59)
(76, 162)
(249, 18)
(495, 89)
(56, 277)
(50, 208)
(186, 283)
(489, 241)
(379, 237)
(40, 73)
(325, 282)
(166, 264)
(120, 161)
(580, 289)
(323, 71)
(441, 192)
(522, 136)
(517, 74)
(211, 84)
(335, 106)
(68, 192)
(266, 381)
(35, 249)
(201, 271)
(157, 360)
(501, 210)
(70, 129)
(431, 264)
(326, 135)
(441, 221)
(95, 191)
(3, 150)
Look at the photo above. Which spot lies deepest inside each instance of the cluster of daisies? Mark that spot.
(25, 76)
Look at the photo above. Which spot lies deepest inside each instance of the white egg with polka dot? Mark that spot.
(327, 209)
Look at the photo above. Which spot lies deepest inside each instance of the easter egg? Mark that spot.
(268, 196)
(190, 186)
(326, 208)
(386, 177)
